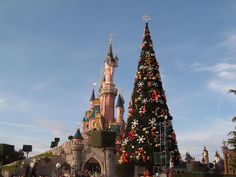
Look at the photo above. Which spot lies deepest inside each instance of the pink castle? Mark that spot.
(101, 113)
(79, 152)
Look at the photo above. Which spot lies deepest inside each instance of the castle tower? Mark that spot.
(76, 148)
(108, 91)
(205, 157)
(91, 101)
(226, 158)
(218, 163)
(217, 157)
(120, 112)
(188, 158)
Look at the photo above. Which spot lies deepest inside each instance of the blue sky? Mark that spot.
(52, 51)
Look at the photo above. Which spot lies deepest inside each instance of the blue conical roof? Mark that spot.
(92, 96)
(120, 101)
(77, 135)
(110, 60)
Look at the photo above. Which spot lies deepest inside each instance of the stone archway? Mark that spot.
(92, 165)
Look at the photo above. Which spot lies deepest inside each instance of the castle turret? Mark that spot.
(108, 91)
(217, 157)
(91, 101)
(224, 150)
(205, 157)
(76, 148)
(218, 163)
(120, 112)
(188, 158)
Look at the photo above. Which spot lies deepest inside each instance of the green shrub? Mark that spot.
(102, 138)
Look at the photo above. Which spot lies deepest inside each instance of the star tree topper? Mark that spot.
(146, 18)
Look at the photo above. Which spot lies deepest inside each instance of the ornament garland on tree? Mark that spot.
(148, 113)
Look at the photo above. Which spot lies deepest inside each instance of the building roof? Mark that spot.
(188, 157)
(217, 154)
(110, 60)
(77, 135)
(120, 101)
(85, 119)
(115, 128)
(95, 110)
(92, 96)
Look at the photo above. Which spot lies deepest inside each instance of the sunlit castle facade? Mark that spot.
(102, 114)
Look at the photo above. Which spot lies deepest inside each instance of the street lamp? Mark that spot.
(58, 166)
(165, 145)
(159, 156)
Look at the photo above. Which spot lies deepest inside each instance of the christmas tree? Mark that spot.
(149, 129)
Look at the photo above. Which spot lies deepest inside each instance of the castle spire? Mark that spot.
(77, 135)
(107, 90)
(92, 96)
(110, 60)
(110, 53)
(120, 112)
(120, 101)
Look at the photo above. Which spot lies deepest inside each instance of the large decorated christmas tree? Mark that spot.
(149, 135)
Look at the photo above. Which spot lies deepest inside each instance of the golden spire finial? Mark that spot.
(94, 85)
(110, 38)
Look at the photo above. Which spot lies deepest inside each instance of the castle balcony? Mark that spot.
(109, 89)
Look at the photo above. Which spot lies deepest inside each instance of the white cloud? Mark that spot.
(57, 129)
(3, 104)
(229, 41)
(223, 76)
(227, 75)
(223, 80)
(18, 125)
(223, 73)
(220, 85)
(23, 106)
(39, 147)
(41, 86)
(2, 101)
(220, 67)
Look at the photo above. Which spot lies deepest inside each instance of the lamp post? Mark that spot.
(163, 131)
(58, 166)
(165, 145)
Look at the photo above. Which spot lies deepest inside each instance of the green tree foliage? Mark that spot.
(10, 157)
(148, 114)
